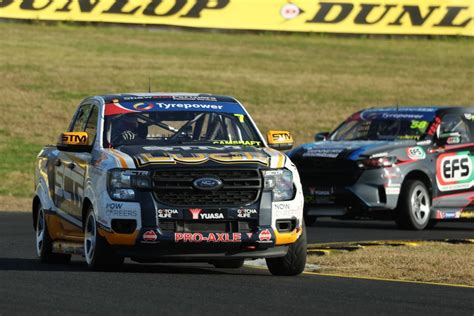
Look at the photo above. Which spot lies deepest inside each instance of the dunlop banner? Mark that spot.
(411, 17)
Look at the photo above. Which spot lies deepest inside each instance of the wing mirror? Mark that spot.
(280, 140)
(320, 137)
(450, 138)
(74, 142)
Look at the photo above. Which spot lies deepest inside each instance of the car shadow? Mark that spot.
(335, 223)
(390, 225)
(25, 264)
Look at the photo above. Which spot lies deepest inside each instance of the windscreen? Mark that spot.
(386, 124)
(171, 126)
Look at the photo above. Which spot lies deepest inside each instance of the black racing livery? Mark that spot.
(414, 164)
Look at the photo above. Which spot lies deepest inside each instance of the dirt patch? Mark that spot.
(439, 262)
(16, 204)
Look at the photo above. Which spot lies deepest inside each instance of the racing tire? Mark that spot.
(414, 206)
(228, 264)
(44, 243)
(294, 262)
(98, 253)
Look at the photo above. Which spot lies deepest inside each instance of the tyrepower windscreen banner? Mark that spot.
(412, 17)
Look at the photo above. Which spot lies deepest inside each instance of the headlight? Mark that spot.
(280, 182)
(377, 162)
(123, 183)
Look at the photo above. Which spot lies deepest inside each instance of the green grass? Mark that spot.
(303, 83)
(421, 261)
(16, 165)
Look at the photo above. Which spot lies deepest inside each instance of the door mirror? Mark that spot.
(320, 137)
(281, 140)
(450, 138)
(74, 142)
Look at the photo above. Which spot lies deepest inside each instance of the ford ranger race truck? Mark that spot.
(168, 177)
(414, 164)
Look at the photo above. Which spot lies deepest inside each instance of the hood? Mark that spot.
(346, 149)
(202, 155)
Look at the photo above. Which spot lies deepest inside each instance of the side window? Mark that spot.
(91, 125)
(469, 118)
(81, 118)
(455, 123)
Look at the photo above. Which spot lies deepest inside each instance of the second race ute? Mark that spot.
(414, 164)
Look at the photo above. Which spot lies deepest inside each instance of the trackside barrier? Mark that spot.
(391, 17)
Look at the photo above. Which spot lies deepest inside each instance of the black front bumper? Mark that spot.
(371, 191)
(174, 253)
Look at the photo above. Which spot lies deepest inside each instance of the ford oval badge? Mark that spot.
(208, 183)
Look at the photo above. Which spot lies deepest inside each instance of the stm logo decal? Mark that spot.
(454, 171)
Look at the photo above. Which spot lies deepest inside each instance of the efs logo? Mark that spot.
(455, 168)
(416, 153)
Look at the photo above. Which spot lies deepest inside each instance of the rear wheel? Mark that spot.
(414, 206)
(44, 243)
(293, 262)
(228, 264)
(98, 254)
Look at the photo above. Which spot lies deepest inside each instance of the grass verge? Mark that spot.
(15, 204)
(303, 83)
(438, 262)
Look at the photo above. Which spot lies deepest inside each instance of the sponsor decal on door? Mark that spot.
(454, 171)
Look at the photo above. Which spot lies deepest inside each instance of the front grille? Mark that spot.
(174, 187)
(327, 172)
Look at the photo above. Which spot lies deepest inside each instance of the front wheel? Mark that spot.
(294, 262)
(99, 256)
(414, 206)
(44, 243)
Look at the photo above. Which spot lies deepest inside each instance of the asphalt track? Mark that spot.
(27, 287)
(330, 230)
